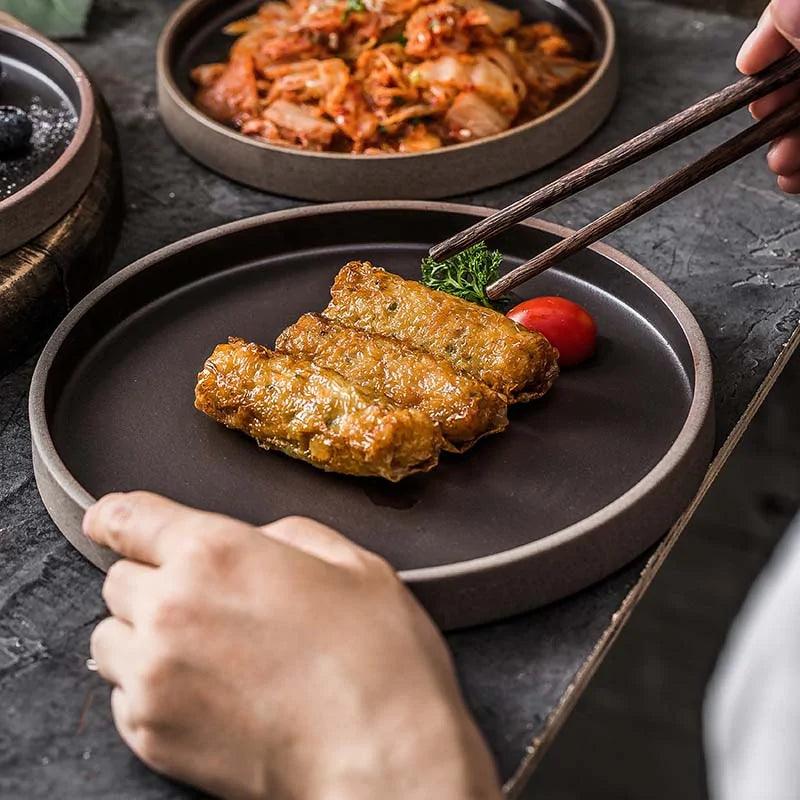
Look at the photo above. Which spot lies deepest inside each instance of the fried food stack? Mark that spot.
(390, 374)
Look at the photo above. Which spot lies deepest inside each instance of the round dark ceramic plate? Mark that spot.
(580, 483)
(38, 187)
(193, 36)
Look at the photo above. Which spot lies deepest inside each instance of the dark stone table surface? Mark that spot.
(729, 247)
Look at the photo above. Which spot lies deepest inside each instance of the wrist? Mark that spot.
(419, 752)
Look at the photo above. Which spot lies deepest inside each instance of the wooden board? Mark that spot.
(43, 279)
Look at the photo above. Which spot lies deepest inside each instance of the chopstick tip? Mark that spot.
(438, 252)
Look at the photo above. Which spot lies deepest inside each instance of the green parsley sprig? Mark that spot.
(466, 274)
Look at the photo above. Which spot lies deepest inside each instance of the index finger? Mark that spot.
(143, 526)
(763, 46)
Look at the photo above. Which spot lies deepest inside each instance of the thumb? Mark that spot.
(786, 18)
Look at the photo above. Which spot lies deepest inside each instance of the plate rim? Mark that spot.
(697, 418)
(74, 168)
(166, 81)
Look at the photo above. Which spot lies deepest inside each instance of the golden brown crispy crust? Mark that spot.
(509, 359)
(290, 404)
(465, 408)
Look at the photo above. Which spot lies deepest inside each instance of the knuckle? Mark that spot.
(111, 503)
(98, 634)
(149, 747)
(286, 528)
(148, 711)
(199, 547)
(157, 684)
(220, 546)
(114, 538)
(112, 573)
(170, 611)
(155, 674)
(212, 548)
(114, 513)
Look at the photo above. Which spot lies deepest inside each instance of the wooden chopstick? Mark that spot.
(685, 122)
(788, 118)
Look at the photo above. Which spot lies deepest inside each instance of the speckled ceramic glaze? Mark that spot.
(192, 37)
(39, 70)
(579, 484)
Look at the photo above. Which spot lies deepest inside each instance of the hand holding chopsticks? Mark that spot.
(740, 145)
(688, 121)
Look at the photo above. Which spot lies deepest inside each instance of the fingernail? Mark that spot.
(786, 16)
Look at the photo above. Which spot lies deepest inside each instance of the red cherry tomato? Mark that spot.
(566, 325)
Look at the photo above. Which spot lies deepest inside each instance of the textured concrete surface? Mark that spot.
(729, 248)
(643, 707)
(742, 8)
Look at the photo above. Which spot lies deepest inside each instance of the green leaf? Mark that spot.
(466, 274)
(59, 19)
(353, 6)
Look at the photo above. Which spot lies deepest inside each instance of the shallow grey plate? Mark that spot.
(579, 484)
(192, 36)
(49, 181)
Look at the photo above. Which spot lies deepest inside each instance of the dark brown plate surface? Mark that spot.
(580, 482)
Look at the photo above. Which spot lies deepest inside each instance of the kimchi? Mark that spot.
(387, 76)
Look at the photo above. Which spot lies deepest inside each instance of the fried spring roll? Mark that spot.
(314, 414)
(517, 363)
(464, 408)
